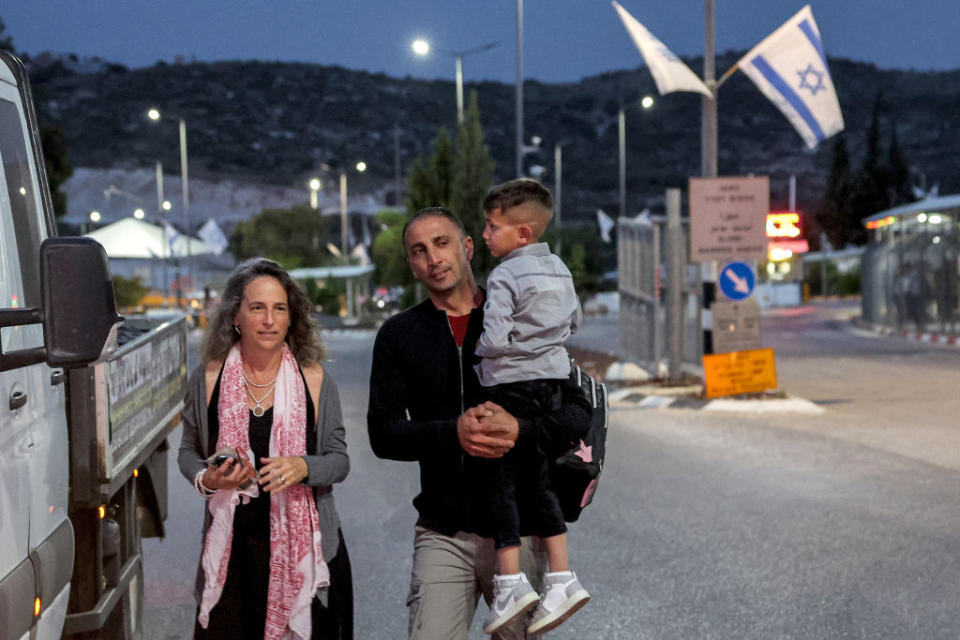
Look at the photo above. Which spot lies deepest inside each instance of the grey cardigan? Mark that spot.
(329, 465)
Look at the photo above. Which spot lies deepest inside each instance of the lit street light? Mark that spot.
(646, 102)
(361, 167)
(138, 214)
(155, 115)
(422, 47)
(315, 184)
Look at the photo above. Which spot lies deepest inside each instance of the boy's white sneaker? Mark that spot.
(562, 596)
(512, 596)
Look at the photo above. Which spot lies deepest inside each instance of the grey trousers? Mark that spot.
(449, 575)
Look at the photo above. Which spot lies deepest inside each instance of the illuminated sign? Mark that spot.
(882, 222)
(778, 250)
(783, 225)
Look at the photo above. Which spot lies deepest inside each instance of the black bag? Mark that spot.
(574, 475)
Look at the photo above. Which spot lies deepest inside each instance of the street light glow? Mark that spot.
(153, 113)
(420, 47)
(315, 184)
(95, 216)
(138, 214)
(361, 166)
(166, 205)
(646, 102)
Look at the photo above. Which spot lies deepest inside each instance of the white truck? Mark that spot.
(87, 400)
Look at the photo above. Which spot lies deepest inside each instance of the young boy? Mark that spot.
(531, 309)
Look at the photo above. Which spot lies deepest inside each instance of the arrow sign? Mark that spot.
(737, 280)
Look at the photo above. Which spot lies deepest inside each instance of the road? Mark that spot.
(736, 526)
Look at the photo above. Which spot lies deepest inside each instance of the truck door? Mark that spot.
(32, 399)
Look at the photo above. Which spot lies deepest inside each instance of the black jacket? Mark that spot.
(420, 383)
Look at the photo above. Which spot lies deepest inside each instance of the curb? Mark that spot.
(917, 336)
(632, 398)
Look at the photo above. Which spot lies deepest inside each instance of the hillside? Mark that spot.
(278, 122)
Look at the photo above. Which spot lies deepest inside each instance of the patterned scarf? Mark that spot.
(297, 569)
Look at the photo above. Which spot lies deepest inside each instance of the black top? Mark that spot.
(417, 368)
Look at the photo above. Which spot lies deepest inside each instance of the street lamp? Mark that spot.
(315, 184)
(645, 102)
(422, 47)
(155, 115)
(360, 167)
(138, 214)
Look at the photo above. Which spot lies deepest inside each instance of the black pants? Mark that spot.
(520, 484)
(241, 611)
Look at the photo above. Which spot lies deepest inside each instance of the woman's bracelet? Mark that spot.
(200, 487)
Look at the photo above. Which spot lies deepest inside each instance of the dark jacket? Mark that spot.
(420, 383)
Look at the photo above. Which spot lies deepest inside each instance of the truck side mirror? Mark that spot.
(79, 310)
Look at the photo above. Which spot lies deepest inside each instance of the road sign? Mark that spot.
(728, 218)
(728, 374)
(737, 280)
(736, 325)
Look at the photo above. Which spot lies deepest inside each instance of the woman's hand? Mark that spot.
(277, 474)
(229, 475)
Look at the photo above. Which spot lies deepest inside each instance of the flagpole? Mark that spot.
(732, 70)
(708, 168)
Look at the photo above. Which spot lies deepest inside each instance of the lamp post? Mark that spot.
(645, 102)
(421, 47)
(315, 184)
(94, 218)
(519, 89)
(360, 167)
(155, 115)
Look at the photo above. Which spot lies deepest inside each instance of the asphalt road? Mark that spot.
(736, 526)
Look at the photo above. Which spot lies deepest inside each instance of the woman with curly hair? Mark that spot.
(263, 443)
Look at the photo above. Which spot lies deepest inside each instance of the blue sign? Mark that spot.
(737, 280)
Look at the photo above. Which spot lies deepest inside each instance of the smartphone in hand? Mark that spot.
(218, 460)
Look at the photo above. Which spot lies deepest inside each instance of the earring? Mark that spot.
(236, 328)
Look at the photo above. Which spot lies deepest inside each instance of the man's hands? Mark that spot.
(487, 431)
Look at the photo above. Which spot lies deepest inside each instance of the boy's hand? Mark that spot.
(484, 431)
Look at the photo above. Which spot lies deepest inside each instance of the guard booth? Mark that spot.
(910, 267)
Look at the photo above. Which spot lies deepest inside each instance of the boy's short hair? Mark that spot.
(514, 193)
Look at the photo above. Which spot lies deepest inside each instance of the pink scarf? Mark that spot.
(297, 569)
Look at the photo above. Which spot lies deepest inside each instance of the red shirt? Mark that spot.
(458, 325)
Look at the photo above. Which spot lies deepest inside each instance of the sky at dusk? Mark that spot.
(564, 40)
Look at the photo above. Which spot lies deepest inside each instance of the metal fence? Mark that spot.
(641, 262)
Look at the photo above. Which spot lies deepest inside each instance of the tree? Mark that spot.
(869, 187)
(472, 176)
(55, 152)
(430, 179)
(293, 237)
(834, 213)
(388, 252)
(898, 173)
(6, 41)
(128, 291)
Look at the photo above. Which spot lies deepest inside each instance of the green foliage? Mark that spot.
(388, 253)
(835, 212)
(430, 179)
(128, 291)
(293, 237)
(326, 295)
(838, 284)
(55, 152)
(472, 176)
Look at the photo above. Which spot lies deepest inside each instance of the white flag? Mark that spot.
(171, 235)
(668, 70)
(606, 224)
(211, 234)
(790, 68)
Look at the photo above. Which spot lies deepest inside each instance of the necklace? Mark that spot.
(259, 410)
(254, 384)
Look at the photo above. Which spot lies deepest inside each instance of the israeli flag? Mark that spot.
(668, 71)
(790, 68)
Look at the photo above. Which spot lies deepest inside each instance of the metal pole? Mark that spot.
(396, 163)
(622, 155)
(459, 89)
(708, 166)
(519, 92)
(164, 251)
(558, 192)
(186, 198)
(675, 262)
(343, 214)
(793, 193)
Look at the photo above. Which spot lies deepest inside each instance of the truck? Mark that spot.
(91, 399)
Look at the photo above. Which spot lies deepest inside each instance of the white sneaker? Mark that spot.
(562, 596)
(512, 596)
